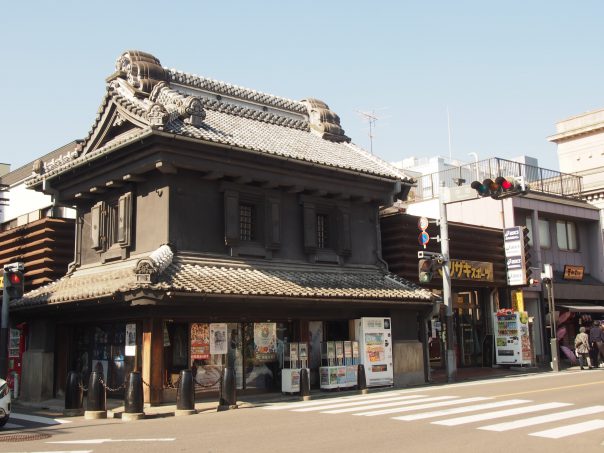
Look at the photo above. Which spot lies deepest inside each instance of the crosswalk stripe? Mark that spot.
(497, 414)
(460, 410)
(36, 419)
(398, 407)
(13, 426)
(397, 410)
(543, 419)
(355, 403)
(570, 430)
(282, 406)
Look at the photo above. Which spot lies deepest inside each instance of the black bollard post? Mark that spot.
(304, 385)
(361, 380)
(74, 395)
(228, 392)
(185, 398)
(133, 398)
(96, 404)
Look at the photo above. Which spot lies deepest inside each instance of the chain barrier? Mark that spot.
(109, 389)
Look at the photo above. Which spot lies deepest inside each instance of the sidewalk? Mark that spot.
(115, 407)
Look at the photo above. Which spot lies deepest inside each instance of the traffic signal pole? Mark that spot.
(451, 362)
(4, 329)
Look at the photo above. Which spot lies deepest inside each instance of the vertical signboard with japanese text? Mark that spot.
(513, 242)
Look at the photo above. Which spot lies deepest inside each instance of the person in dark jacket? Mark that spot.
(596, 336)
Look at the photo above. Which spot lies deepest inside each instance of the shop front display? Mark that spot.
(340, 360)
(295, 358)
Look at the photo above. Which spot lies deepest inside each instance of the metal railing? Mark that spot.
(539, 179)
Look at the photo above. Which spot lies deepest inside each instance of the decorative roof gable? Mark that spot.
(144, 98)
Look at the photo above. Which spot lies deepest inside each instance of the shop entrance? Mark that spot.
(469, 324)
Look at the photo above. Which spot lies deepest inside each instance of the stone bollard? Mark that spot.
(304, 385)
(228, 391)
(96, 403)
(133, 398)
(185, 398)
(361, 380)
(74, 395)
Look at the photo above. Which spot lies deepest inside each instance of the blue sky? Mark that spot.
(506, 71)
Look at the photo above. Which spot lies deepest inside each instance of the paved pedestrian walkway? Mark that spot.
(115, 406)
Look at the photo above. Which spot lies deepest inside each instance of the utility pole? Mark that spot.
(547, 277)
(451, 362)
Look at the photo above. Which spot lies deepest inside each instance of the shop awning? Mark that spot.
(583, 308)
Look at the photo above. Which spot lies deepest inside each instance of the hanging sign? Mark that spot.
(218, 338)
(265, 341)
(200, 341)
(130, 340)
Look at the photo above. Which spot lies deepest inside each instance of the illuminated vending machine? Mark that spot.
(512, 339)
(375, 348)
(16, 347)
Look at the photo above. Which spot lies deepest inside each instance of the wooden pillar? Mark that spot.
(153, 360)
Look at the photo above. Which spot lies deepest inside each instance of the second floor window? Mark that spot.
(322, 231)
(544, 237)
(247, 222)
(566, 234)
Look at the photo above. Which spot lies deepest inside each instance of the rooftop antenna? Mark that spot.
(371, 119)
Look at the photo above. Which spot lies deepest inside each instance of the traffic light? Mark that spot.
(526, 251)
(501, 187)
(425, 270)
(13, 284)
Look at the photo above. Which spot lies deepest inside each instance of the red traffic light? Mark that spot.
(15, 278)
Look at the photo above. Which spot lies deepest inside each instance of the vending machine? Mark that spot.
(512, 339)
(375, 349)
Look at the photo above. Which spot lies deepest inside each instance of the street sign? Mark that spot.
(423, 223)
(424, 238)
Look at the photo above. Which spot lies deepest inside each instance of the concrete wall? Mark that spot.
(408, 357)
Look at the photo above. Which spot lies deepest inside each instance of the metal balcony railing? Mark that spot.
(539, 179)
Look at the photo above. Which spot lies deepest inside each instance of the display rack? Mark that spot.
(295, 358)
(339, 360)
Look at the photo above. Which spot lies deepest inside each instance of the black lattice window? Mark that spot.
(247, 222)
(322, 231)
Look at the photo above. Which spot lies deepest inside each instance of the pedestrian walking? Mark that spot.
(582, 348)
(596, 336)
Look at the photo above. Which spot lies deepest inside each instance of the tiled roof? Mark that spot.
(196, 107)
(225, 276)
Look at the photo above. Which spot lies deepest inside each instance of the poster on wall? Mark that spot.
(218, 338)
(130, 340)
(200, 341)
(265, 341)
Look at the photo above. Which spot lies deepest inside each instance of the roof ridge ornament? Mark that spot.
(188, 108)
(140, 69)
(148, 270)
(323, 121)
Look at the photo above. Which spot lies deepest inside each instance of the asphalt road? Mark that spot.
(543, 412)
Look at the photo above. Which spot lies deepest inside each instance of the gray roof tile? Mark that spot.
(192, 274)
